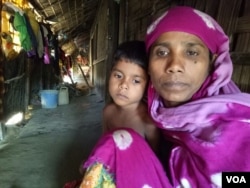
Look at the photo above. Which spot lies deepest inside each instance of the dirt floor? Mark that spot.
(48, 150)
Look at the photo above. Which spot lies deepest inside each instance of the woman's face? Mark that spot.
(178, 65)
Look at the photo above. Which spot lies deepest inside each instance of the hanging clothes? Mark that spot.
(46, 54)
(20, 25)
(33, 28)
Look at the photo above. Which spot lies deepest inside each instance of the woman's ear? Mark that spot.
(214, 58)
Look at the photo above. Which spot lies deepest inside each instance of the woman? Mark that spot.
(193, 100)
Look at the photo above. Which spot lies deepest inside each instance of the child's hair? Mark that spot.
(134, 51)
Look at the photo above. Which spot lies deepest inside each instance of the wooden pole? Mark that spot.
(63, 67)
(27, 86)
(2, 57)
(85, 79)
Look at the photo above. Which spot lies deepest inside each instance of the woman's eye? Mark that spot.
(162, 52)
(192, 53)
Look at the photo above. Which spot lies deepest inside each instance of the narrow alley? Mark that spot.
(48, 150)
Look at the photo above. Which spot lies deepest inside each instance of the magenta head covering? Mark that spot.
(192, 21)
(189, 20)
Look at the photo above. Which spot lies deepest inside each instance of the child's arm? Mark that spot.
(107, 113)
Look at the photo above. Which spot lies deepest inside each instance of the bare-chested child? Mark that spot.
(127, 84)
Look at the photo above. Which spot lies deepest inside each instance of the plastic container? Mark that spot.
(63, 96)
(49, 98)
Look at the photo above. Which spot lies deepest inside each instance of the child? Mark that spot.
(127, 84)
(121, 156)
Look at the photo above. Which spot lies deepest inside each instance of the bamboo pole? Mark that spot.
(2, 57)
(27, 86)
(85, 79)
(63, 67)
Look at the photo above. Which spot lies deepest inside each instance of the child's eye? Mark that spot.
(136, 81)
(117, 75)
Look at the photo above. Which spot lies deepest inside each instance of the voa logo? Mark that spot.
(236, 179)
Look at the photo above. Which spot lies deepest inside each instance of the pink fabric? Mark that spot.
(46, 53)
(128, 157)
(212, 131)
(187, 19)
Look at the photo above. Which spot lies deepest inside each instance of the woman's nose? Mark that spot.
(174, 64)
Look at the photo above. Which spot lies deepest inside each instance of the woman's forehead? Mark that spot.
(185, 39)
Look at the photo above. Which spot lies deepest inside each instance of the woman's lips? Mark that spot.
(174, 85)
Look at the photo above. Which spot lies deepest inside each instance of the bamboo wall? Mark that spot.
(98, 48)
(103, 41)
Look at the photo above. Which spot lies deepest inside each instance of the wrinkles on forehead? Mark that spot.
(187, 44)
(189, 40)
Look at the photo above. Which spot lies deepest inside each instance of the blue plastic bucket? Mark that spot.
(49, 98)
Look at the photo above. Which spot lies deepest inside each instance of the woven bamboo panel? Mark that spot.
(236, 74)
(243, 43)
(228, 13)
(210, 8)
(241, 77)
(241, 73)
(243, 24)
(244, 84)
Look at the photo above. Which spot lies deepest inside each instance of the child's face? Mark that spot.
(127, 83)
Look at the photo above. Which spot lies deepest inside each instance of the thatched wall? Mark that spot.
(14, 75)
(98, 48)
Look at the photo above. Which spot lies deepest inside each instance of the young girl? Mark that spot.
(127, 84)
(122, 154)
